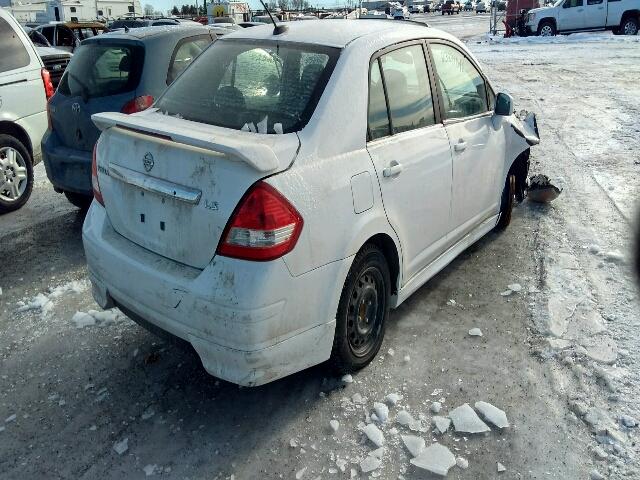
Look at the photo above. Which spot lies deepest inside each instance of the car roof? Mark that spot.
(147, 32)
(339, 33)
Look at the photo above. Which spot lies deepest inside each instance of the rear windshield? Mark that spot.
(99, 70)
(266, 87)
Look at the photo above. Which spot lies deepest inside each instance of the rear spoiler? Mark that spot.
(259, 155)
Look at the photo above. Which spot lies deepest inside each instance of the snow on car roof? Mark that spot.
(144, 32)
(339, 33)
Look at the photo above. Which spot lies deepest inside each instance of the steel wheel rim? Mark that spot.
(630, 28)
(546, 31)
(13, 175)
(365, 312)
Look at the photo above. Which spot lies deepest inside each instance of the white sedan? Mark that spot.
(293, 185)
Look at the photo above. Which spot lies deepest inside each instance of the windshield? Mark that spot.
(266, 87)
(99, 70)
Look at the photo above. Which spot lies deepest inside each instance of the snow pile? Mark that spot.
(44, 302)
(585, 37)
(94, 317)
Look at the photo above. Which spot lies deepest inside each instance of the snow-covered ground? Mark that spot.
(87, 394)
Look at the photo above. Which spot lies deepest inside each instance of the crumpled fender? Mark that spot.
(521, 131)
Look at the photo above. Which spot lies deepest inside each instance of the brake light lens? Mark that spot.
(48, 85)
(138, 104)
(264, 226)
(97, 194)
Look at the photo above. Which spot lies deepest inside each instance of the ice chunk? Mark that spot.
(148, 414)
(414, 444)
(121, 446)
(463, 463)
(404, 418)
(475, 332)
(369, 463)
(300, 473)
(293, 443)
(150, 470)
(436, 407)
(393, 398)
(378, 452)
(465, 420)
(514, 287)
(10, 418)
(82, 319)
(492, 414)
(628, 421)
(382, 411)
(245, 128)
(506, 293)
(334, 424)
(615, 257)
(347, 378)
(0, 291)
(441, 423)
(596, 475)
(407, 359)
(436, 459)
(374, 434)
(501, 468)
(277, 127)
(391, 352)
(357, 398)
(262, 124)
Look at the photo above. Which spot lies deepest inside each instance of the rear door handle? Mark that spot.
(391, 171)
(461, 146)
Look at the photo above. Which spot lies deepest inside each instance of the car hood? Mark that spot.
(50, 51)
(541, 9)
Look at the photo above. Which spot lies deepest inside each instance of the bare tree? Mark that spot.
(148, 9)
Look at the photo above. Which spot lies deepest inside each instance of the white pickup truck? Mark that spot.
(620, 16)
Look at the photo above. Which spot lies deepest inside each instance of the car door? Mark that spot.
(477, 148)
(571, 15)
(595, 14)
(410, 151)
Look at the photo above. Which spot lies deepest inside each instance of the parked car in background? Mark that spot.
(401, 13)
(468, 6)
(25, 86)
(67, 36)
(620, 16)
(481, 7)
(217, 211)
(450, 7)
(54, 59)
(142, 22)
(121, 72)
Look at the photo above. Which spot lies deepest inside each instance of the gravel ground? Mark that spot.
(558, 354)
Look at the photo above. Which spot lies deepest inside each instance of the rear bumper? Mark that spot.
(68, 169)
(250, 322)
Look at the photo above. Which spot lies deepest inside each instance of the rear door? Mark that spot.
(595, 14)
(410, 151)
(571, 15)
(477, 148)
(101, 77)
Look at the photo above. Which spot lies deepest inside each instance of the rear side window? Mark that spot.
(14, 55)
(462, 87)
(185, 52)
(378, 115)
(98, 70)
(268, 87)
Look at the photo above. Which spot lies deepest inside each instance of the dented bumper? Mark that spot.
(250, 322)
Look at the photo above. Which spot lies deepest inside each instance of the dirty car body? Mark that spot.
(273, 219)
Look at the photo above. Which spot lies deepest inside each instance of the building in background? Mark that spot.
(44, 11)
(238, 10)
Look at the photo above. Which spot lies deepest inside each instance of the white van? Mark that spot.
(25, 86)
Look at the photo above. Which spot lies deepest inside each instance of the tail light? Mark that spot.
(97, 194)
(138, 104)
(264, 226)
(48, 86)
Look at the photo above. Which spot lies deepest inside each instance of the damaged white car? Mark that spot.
(294, 184)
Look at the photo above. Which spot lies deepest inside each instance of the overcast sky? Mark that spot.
(164, 5)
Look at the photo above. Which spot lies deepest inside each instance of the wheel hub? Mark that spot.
(13, 174)
(366, 309)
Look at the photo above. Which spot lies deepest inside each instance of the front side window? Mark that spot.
(185, 53)
(594, 2)
(269, 87)
(462, 87)
(14, 55)
(408, 90)
(64, 38)
(48, 33)
(572, 3)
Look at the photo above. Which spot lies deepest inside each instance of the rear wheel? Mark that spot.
(362, 312)
(546, 29)
(506, 204)
(16, 174)
(79, 200)
(629, 26)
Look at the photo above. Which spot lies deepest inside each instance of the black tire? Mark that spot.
(507, 201)
(629, 26)
(83, 202)
(362, 312)
(550, 25)
(6, 205)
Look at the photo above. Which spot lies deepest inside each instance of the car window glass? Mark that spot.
(572, 3)
(378, 115)
(14, 55)
(186, 52)
(64, 37)
(491, 96)
(48, 33)
(408, 91)
(462, 87)
(594, 2)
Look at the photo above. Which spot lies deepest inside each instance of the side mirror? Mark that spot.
(504, 104)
